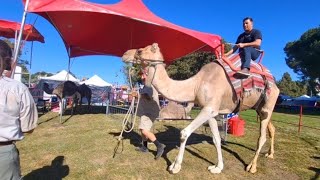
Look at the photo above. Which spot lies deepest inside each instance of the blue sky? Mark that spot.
(280, 21)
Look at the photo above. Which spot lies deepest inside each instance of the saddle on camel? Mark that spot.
(260, 77)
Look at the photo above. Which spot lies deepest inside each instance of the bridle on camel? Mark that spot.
(149, 62)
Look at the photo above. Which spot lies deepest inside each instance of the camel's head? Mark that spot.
(147, 57)
(144, 55)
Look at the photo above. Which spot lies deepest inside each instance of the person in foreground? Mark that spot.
(18, 115)
(248, 43)
(148, 111)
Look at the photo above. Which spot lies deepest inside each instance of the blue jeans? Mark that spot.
(247, 54)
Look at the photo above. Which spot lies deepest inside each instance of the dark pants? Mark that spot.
(247, 54)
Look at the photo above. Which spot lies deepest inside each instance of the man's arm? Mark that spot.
(28, 113)
(234, 49)
(254, 44)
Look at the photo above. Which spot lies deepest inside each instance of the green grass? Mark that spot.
(83, 148)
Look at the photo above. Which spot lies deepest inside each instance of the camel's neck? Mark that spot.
(181, 91)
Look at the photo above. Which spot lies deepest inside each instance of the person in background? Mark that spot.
(148, 111)
(248, 43)
(18, 115)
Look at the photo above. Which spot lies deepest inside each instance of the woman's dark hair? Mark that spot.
(5, 56)
(246, 18)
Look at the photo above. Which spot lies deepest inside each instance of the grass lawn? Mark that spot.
(83, 148)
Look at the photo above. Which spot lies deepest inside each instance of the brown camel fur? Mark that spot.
(211, 89)
(65, 89)
(175, 111)
(85, 91)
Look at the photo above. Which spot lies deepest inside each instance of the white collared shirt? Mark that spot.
(18, 112)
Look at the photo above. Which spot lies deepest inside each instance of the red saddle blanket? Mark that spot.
(260, 78)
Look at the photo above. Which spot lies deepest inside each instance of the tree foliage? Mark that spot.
(36, 76)
(189, 65)
(22, 63)
(291, 88)
(303, 54)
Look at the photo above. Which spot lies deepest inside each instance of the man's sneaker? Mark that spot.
(142, 149)
(244, 72)
(160, 151)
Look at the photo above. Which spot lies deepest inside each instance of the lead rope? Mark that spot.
(130, 115)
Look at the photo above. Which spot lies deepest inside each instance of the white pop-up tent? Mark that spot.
(96, 81)
(100, 89)
(54, 80)
(61, 76)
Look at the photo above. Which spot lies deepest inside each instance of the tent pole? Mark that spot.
(69, 55)
(16, 50)
(30, 64)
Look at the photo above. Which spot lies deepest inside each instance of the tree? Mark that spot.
(189, 65)
(291, 88)
(22, 63)
(303, 56)
(35, 76)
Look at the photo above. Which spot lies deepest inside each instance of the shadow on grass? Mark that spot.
(48, 119)
(85, 109)
(317, 171)
(171, 138)
(55, 171)
(132, 136)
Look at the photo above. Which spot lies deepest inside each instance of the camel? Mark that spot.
(64, 89)
(85, 91)
(212, 90)
(175, 111)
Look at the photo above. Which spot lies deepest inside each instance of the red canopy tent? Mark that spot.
(8, 29)
(92, 29)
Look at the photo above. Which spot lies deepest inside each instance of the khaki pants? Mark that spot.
(9, 163)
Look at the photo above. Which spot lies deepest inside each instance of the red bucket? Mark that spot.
(236, 126)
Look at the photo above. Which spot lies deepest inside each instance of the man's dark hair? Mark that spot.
(5, 56)
(246, 18)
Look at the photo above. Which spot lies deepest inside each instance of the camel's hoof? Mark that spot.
(215, 169)
(251, 169)
(268, 155)
(174, 168)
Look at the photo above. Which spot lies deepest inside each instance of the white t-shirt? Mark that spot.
(18, 112)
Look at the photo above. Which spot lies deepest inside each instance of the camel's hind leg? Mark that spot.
(217, 142)
(272, 130)
(265, 113)
(252, 167)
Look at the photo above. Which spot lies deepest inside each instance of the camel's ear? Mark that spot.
(154, 47)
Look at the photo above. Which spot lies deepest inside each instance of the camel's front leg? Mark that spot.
(252, 167)
(205, 114)
(217, 141)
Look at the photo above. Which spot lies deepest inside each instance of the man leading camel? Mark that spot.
(248, 44)
(148, 111)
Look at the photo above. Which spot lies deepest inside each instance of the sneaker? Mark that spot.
(160, 151)
(244, 72)
(142, 149)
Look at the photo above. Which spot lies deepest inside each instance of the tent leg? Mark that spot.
(17, 47)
